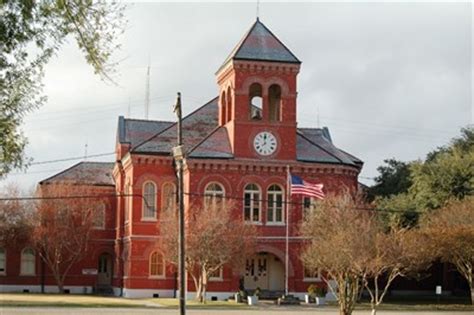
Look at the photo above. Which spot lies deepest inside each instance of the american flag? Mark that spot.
(301, 187)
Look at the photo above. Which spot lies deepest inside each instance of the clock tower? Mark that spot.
(257, 100)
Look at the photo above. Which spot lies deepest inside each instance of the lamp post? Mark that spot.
(178, 155)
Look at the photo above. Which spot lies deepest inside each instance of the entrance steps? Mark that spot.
(267, 294)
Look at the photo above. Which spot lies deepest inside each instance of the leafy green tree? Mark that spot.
(31, 32)
(447, 173)
(394, 179)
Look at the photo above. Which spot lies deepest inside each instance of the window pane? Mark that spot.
(28, 262)
(168, 198)
(149, 200)
(156, 264)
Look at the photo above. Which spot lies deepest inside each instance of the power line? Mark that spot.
(71, 158)
(35, 172)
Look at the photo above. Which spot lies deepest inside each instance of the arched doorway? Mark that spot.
(104, 270)
(265, 271)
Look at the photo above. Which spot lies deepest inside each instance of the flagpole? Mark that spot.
(287, 216)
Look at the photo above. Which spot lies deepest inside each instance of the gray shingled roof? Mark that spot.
(135, 131)
(203, 138)
(216, 145)
(315, 145)
(260, 44)
(196, 127)
(85, 173)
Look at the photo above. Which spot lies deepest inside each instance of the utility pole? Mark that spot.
(178, 155)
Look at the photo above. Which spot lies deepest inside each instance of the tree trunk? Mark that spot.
(60, 287)
(472, 294)
(203, 285)
(199, 290)
(374, 311)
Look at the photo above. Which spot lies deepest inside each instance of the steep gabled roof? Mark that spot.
(85, 173)
(260, 44)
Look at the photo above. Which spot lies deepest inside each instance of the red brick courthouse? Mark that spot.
(238, 145)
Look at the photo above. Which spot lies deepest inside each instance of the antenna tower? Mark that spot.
(147, 92)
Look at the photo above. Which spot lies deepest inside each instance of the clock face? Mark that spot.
(265, 143)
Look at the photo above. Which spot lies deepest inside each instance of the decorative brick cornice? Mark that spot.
(269, 167)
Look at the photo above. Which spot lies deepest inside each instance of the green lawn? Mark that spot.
(70, 300)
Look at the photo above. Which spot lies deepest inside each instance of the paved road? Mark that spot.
(262, 311)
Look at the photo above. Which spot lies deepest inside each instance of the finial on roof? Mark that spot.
(258, 9)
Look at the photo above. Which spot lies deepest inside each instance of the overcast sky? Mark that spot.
(389, 79)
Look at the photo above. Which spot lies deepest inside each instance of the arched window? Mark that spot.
(229, 105)
(157, 265)
(309, 205)
(168, 197)
(213, 194)
(28, 261)
(98, 221)
(128, 204)
(223, 106)
(149, 201)
(274, 102)
(255, 101)
(252, 203)
(275, 204)
(3, 261)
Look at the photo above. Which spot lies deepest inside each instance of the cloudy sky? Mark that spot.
(388, 79)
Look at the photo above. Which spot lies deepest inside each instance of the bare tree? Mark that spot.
(215, 237)
(451, 234)
(394, 253)
(15, 217)
(339, 237)
(63, 228)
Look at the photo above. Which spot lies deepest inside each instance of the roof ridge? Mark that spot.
(62, 172)
(148, 120)
(237, 47)
(276, 37)
(307, 128)
(171, 126)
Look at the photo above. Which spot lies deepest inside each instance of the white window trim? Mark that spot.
(155, 217)
(22, 273)
(273, 222)
(252, 192)
(311, 279)
(213, 194)
(220, 278)
(159, 276)
(4, 272)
